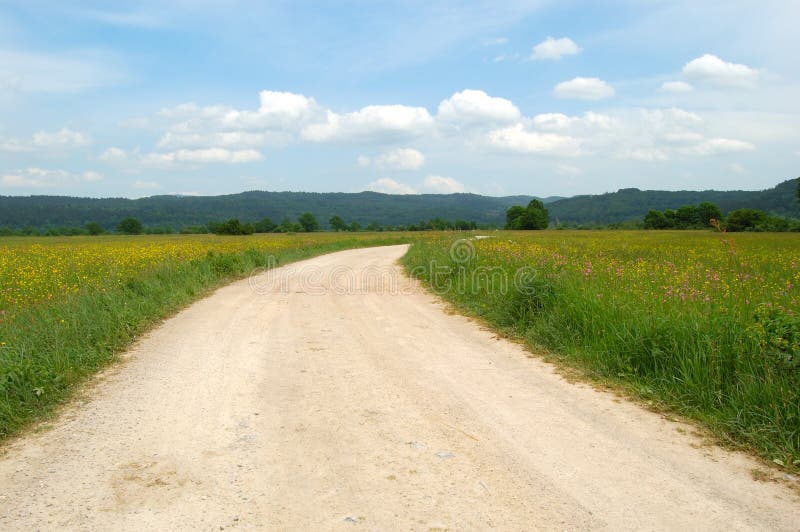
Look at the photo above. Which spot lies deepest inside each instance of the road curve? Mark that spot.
(335, 394)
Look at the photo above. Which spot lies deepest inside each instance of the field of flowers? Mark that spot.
(37, 270)
(705, 323)
(68, 305)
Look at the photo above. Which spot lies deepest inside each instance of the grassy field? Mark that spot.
(69, 305)
(706, 324)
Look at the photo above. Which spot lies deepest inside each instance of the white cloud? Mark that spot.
(673, 117)
(517, 139)
(717, 146)
(60, 139)
(676, 86)
(279, 117)
(649, 135)
(224, 139)
(553, 121)
(562, 122)
(388, 185)
(14, 145)
(476, 107)
(682, 137)
(495, 41)
(584, 89)
(713, 70)
(370, 123)
(113, 154)
(552, 48)
(43, 140)
(399, 159)
(277, 110)
(207, 155)
(443, 185)
(44, 178)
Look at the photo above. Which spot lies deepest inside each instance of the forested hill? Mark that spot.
(179, 211)
(633, 204)
(367, 207)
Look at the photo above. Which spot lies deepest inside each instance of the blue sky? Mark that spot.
(518, 97)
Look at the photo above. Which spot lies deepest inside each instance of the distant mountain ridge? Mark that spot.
(41, 212)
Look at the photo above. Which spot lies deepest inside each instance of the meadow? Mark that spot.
(700, 323)
(68, 305)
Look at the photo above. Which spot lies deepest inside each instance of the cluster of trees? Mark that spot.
(534, 216)
(686, 217)
(306, 223)
(703, 215)
(434, 224)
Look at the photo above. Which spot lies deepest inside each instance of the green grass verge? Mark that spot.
(50, 349)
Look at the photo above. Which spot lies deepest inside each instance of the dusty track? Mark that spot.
(373, 409)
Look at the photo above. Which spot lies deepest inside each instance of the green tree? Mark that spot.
(798, 189)
(94, 228)
(534, 216)
(130, 226)
(264, 225)
(706, 212)
(463, 225)
(512, 215)
(655, 220)
(231, 227)
(687, 217)
(287, 226)
(308, 222)
(355, 227)
(745, 219)
(337, 224)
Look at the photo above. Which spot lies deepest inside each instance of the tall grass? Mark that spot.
(48, 346)
(693, 321)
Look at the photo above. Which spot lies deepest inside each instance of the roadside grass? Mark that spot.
(697, 323)
(63, 333)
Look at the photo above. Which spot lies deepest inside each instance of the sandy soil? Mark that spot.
(330, 402)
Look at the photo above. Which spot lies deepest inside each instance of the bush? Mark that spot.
(308, 222)
(745, 220)
(94, 228)
(231, 227)
(130, 226)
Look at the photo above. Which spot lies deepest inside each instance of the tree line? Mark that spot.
(706, 215)
(305, 223)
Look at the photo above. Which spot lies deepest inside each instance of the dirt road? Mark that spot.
(334, 395)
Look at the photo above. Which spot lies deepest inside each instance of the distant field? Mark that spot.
(36, 270)
(68, 305)
(705, 323)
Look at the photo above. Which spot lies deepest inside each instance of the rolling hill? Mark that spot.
(41, 212)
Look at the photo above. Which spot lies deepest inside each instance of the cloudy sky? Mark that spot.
(514, 97)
